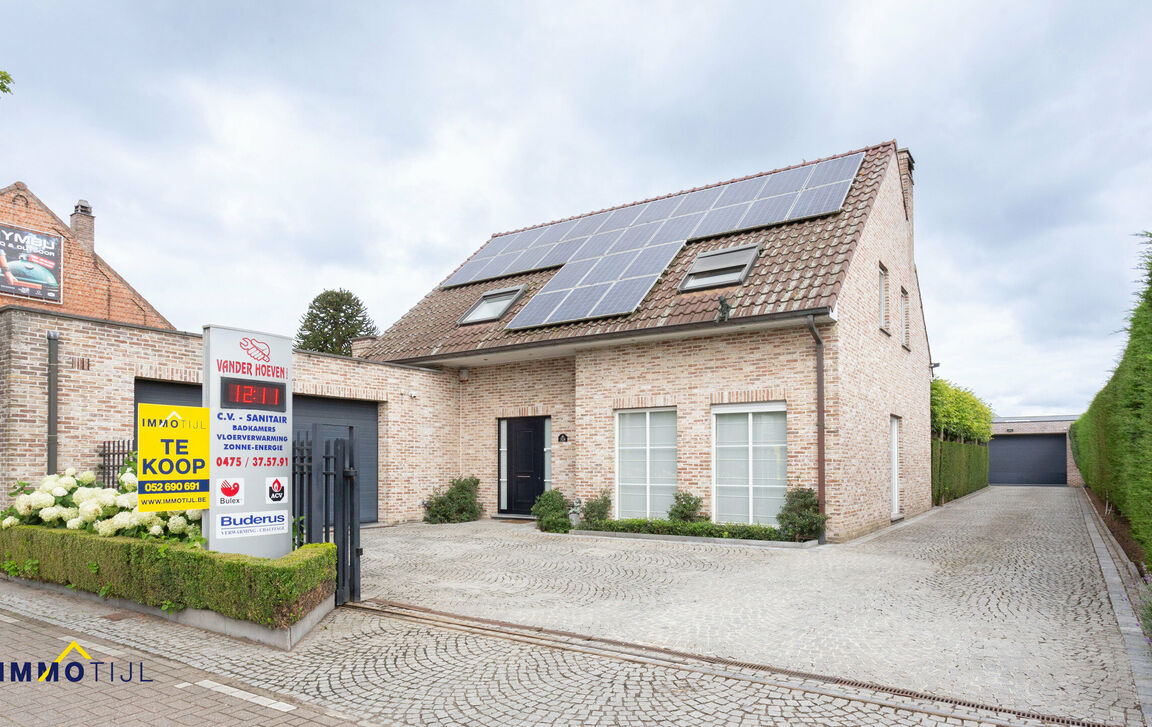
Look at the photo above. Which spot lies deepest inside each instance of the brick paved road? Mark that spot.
(997, 598)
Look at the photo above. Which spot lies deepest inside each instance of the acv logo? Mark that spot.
(275, 490)
(256, 349)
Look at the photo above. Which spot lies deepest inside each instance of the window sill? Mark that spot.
(906, 347)
(885, 331)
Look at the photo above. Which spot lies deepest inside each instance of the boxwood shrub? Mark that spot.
(172, 576)
(699, 529)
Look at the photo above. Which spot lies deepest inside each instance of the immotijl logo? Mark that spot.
(73, 671)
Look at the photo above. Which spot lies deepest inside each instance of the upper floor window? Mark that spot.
(905, 318)
(883, 297)
(715, 268)
(492, 305)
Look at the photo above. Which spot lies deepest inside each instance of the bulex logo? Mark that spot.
(276, 490)
(230, 491)
(73, 671)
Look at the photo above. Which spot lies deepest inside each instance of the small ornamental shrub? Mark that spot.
(460, 503)
(800, 518)
(686, 508)
(598, 508)
(551, 512)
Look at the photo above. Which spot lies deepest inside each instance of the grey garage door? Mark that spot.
(1027, 459)
(330, 414)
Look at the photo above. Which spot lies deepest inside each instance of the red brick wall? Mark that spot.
(89, 287)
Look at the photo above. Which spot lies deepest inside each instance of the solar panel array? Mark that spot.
(611, 259)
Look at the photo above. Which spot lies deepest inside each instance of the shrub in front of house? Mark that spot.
(800, 518)
(598, 508)
(172, 575)
(460, 503)
(698, 529)
(686, 507)
(551, 512)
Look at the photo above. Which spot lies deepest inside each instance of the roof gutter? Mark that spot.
(819, 417)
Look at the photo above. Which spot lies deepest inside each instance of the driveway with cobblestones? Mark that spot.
(998, 598)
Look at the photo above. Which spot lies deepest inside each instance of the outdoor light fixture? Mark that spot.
(562, 438)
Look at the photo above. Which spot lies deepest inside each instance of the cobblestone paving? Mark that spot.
(997, 598)
(389, 671)
(177, 694)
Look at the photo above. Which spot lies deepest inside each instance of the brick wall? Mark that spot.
(100, 362)
(89, 287)
(879, 376)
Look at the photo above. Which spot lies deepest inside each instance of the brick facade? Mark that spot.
(89, 286)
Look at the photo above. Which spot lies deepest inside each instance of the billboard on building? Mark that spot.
(30, 264)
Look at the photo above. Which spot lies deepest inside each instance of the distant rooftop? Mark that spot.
(1045, 418)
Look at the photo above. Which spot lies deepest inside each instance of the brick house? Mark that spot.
(733, 341)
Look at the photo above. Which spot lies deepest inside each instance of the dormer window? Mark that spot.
(492, 305)
(717, 268)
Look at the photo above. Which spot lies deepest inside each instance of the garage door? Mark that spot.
(1027, 459)
(330, 414)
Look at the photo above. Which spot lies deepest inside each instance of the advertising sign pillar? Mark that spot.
(248, 392)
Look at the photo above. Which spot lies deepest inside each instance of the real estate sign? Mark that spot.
(172, 469)
(248, 392)
(29, 264)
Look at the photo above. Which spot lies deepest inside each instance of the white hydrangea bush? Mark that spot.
(72, 500)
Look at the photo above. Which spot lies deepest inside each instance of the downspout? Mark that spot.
(53, 397)
(819, 416)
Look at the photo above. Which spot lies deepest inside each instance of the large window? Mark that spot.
(645, 462)
(750, 462)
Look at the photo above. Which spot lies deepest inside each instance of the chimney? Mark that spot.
(84, 225)
(361, 344)
(907, 164)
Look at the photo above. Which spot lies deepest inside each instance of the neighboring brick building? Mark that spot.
(607, 351)
(87, 285)
(1035, 450)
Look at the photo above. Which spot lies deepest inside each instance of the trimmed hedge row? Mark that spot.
(699, 528)
(958, 413)
(172, 576)
(1112, 441)
(957, 469)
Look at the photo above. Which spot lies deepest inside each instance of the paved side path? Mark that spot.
(998, 598)
(177, 694)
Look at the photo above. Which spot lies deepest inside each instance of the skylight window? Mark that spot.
(716, 268)
(492, 305)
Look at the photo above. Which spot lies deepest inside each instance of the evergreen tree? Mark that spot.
(333, 319)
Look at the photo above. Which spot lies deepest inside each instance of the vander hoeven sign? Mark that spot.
(172, 469)
(248, 392)
(29, 264)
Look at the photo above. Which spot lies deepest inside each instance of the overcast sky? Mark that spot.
(242, 157)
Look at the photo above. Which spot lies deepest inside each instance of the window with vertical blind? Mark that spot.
(884, 297)
(750, 462)
(905, 323)
(645, 462)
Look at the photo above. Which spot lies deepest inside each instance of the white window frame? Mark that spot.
(515, 293)
(647, 456)
(749, 409)
(905, 322)
(883, 297)
(704, 272)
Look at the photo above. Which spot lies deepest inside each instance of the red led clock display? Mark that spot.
(251, 394)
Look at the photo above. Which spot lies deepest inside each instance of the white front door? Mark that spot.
(895, 454)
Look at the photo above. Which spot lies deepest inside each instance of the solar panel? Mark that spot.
(615, 243)
(624, 296)
(579, 303)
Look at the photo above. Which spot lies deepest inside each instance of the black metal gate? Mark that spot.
(326, 502)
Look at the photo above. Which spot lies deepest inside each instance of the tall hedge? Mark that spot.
(1112, 441)
(958, 469)
(957, 413)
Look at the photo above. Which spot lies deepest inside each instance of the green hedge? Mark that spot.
(172, 576)
(699, 529)
(957, 413)
(957, 469)
(1112, 441)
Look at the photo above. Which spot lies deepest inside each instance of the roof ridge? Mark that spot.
(891, 142)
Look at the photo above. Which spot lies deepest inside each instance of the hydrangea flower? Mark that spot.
(128, 478)
(194, 515)
(127, 501)
(49, 482)
(105, 528)
(82, 495)
(9, 522)
(59, 492)
(67, 482)
(41, 500)
(177, 524)
(70, 472)
(86, 478)
(90, 511)
(124, 520)
(75, 523)
(68, 513)
(49, 514)
(106, 497)
(23, 505)
(156, 530)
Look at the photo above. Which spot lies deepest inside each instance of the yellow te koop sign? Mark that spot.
(172, 463)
